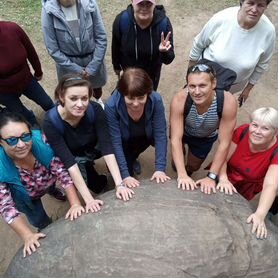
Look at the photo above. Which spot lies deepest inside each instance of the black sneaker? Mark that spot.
(58, 194)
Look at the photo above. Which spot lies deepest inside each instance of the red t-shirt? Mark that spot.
(246, 170)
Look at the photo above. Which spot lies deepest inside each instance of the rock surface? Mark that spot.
(162, 232)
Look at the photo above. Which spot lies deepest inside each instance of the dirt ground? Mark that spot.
(187, 20)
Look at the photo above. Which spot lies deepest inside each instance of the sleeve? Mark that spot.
(52, 44)
(7, 206)
(116, 44)
(265, 58)
(102, 131)
(100, 42)
(57, 143)
(168, 56)
(237, 133)
(58, 169)
(160, 135)
(32, 55)
(202, 40)
(115, 132)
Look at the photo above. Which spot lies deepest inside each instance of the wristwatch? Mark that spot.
(212, 176)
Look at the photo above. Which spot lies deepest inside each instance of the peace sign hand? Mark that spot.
(165, 43)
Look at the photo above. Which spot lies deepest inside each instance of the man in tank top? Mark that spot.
(199, 115)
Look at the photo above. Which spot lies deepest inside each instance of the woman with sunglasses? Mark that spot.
(240, 38)
(28, 169)
(142, 37)
(200, 115)
(136, 118)
(252, 165)
(74, 127)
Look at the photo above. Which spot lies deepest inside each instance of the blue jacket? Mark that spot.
(10, 175)
(155, 127)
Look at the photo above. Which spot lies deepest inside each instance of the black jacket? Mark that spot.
(140, 48)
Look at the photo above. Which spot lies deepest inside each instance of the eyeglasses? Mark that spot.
(13, 141)
(202, 68)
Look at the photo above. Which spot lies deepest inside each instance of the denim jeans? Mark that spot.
(33, 91)
(132, 149)
(36, 215)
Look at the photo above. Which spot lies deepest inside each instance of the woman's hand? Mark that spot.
(165, 43)
(74, 212)
(226, 186)
(94, 205)
(131, 182)
(31, 243)
(124, 193)
(207, 185)
(258, 225)
(186, 183)
(160, 176)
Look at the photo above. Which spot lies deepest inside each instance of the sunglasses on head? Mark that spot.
(12, 141)
(202, 68)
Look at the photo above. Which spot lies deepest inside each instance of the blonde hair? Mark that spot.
(267, 115)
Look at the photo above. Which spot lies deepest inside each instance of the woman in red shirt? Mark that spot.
(252, 165)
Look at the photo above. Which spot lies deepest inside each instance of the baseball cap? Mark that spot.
(136, 2)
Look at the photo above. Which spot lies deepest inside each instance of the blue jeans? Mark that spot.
(36, 215)
(132, 149)
(33, 91)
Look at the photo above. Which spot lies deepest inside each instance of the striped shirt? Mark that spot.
(204, 125)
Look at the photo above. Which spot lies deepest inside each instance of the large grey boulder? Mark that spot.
(162, 232)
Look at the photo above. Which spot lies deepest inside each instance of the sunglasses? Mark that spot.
(202, 68)
(12, 141)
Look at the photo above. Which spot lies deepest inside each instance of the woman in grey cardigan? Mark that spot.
(75, 38)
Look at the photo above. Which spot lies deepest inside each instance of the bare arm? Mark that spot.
(91, 203)
(226, 128)
(269, 192)
(177, 130)
(31, 239)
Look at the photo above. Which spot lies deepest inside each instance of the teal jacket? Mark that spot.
(10, 175)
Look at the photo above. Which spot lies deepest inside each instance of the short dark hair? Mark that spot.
(71, 80)
(7, 116)
(241, 1)
(135, 82)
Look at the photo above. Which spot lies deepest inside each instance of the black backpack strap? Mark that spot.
(220, 102)
(56, 119)
(90, 113)
(187, 105)
(275, 152)
(243, 133)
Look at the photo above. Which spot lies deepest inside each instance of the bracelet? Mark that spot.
(121, 185)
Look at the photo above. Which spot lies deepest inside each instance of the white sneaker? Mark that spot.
(99, 101)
